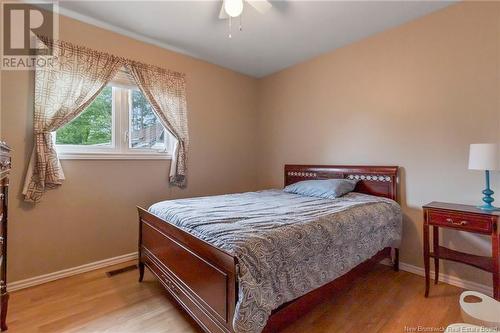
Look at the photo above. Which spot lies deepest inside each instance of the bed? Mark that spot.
(254, 261)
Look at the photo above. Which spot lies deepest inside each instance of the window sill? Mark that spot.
(113, 156)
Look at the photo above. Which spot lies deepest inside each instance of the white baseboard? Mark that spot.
(449, 279)
(34, 281)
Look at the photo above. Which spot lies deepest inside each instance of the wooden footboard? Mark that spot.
(199, 276)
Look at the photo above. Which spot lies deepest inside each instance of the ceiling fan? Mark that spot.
(234, 8)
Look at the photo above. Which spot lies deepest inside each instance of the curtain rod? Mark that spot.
(65, 45)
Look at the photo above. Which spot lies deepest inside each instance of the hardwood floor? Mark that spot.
(383, 301)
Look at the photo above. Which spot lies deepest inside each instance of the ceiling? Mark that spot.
(289, 33)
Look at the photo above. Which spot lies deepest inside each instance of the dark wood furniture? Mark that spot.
(5, 165)
(203, 278)
(464, 218)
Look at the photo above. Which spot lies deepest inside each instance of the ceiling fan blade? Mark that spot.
(222, 14)
(262, 6)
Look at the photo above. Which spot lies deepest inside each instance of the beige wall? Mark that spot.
(414, 96)
(92, 216)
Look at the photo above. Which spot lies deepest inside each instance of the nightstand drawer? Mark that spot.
(467, 222)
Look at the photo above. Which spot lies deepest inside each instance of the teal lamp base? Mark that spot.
(488, 196)
(488, 208)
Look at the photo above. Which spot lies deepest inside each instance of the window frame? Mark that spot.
(120, 139)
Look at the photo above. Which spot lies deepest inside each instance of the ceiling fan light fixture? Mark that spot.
(233, 8)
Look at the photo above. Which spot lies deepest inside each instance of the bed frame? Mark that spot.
(203, 278)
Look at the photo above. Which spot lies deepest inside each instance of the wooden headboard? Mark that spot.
(375, 180)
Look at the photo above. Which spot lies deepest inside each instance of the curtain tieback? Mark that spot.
(42, 132)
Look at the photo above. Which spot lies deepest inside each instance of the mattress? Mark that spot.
(286, 244)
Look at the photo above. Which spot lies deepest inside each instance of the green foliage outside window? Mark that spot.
(142, 112)
(93, 126)
(146, 130)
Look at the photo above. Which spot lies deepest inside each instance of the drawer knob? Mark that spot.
(459, 223)
(5, 165)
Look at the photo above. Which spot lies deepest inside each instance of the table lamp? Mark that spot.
(485, 156)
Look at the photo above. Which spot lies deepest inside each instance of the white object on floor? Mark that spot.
(485, 312)
(458, 328)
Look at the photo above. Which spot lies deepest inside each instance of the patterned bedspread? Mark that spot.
(286, 244)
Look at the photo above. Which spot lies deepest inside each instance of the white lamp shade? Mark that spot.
(484, 156)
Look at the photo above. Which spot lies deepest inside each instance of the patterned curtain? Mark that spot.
(62, 92)
(166, 92)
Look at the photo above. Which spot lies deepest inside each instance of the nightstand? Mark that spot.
(464, 218)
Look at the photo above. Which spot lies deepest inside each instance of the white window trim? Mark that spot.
(119, 148)
(113, 156)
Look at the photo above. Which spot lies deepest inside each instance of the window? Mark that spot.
(145, 128)
(118, 124)
(94, 127)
